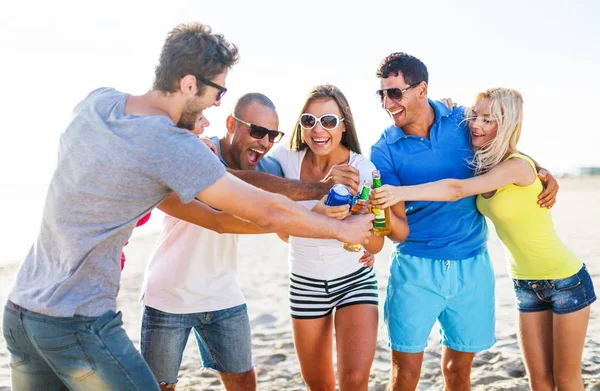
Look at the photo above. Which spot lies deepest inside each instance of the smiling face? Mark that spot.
(320, 140)
(405, 110)
(483, 126)
(246, 151)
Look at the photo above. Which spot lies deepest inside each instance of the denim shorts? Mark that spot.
(75, 353)
(223, 339)
(562, 296)
(459, 294)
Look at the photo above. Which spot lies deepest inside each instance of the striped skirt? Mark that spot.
(312, 298)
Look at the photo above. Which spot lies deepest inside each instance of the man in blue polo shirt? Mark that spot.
(441, 270)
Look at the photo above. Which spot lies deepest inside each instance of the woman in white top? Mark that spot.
(329, 287)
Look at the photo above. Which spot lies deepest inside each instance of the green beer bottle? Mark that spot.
(361, 207)
(381, 224)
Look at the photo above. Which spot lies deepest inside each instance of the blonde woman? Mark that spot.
(552, 286)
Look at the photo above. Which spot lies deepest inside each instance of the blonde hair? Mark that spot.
(507, 110)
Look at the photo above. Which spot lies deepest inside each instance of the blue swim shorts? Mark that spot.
(459, 294)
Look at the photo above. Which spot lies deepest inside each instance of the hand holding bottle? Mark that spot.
(386, 196)
(356, 229)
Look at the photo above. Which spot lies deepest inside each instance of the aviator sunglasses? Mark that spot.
(393, 93)
(327, 121)
(222, 90)
(258, 132)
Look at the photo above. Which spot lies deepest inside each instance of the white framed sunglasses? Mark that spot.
(327, 121)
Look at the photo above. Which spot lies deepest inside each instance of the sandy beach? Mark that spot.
(263, 275)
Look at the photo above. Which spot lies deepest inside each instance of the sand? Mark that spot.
(263, 277)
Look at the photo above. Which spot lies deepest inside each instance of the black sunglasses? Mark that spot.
(258, 132)
(222, 90)
(394, 93)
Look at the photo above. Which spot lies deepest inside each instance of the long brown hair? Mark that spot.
(324, 92)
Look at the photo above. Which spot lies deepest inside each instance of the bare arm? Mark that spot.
(399, 222)
(375, 244)
(296, 190)
(276, 213)
(291, 188)
(284, 237)
(513, 171)
(203, 215)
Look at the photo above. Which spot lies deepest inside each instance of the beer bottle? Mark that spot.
(381, 224)
(361, 207)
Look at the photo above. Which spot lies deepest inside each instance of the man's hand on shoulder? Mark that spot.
(448, 102)
(209, 144)
(547, 197)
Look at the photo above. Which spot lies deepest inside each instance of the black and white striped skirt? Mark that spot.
(312, 298)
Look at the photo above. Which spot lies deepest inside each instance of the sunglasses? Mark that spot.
(258, 132)
(393, 93)
(222, 90)
(327, 121)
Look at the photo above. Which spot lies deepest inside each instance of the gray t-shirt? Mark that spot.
(112, 169)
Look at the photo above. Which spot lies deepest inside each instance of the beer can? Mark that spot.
(338, 195)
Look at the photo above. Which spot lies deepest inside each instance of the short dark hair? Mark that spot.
(192, 49)
(412, 69)
(324, 92)
(249, 98)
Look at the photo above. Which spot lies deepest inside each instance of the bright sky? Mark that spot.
(54, 53)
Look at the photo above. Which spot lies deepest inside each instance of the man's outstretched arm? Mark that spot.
(291, 188)
(274, 212)
(302, 190)
(203, 215)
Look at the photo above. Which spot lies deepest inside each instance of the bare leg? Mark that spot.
(456, 367)
(313, 339)
(569, 338)
(356, 340)
(239, 381)
(535, 338)
(406, 371)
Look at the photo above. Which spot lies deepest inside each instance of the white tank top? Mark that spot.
(320, 258)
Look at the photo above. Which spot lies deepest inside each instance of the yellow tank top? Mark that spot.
(534, 250)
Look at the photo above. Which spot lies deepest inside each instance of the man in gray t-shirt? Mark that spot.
(119, 157)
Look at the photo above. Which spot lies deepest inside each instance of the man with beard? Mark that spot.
(120, 156)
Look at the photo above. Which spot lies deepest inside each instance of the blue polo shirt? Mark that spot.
(438, 230)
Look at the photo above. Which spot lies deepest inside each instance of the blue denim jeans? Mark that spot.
(79, 353)
(562, 296)
(223, 339)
